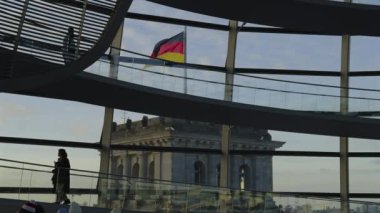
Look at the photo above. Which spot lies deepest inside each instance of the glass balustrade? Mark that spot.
(247, 89)
(31, 181)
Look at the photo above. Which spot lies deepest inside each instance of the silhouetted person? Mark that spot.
(69, 46)
(61, 177)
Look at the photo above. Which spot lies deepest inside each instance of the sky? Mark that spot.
(31, 117)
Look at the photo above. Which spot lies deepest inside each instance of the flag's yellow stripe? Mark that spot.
(171, 56)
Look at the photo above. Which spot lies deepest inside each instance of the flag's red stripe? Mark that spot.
(176, 47)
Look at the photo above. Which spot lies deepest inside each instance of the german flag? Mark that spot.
(171, 49)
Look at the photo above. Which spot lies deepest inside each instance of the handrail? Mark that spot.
(262, 88)
(52, 167)
(111, 175)
(222, 69)
(306, 195)
(257, 88)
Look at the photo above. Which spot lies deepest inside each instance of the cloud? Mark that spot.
(80, 130)
(11, 111)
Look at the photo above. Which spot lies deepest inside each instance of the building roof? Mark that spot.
(163, 131)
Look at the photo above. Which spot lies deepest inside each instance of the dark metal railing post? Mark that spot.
(19, 188)
(23, 14)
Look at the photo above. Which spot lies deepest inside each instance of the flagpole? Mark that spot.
(185, 60)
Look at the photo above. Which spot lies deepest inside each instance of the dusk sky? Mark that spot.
(31, 117)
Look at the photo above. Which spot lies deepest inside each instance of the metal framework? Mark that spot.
(28, 25)
(22, 40)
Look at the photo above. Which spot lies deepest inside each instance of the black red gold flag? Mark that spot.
(171, 49)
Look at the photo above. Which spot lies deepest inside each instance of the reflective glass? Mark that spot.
(364, 175)
(363, 145)
(365, 53)
(305, 174)
(282, 51)
(42, 118)
(305, 142)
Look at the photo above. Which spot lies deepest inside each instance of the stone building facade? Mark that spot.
(249, 172)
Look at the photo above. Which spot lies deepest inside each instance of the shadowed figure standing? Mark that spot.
(69, 46)
(61, 177)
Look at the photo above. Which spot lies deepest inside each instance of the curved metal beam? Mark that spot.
(318, 16)
(94, 89)
(61, 72)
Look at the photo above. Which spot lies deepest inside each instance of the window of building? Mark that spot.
(135, 170)
(244, 179)
(120, 170)
(199, 173)
(151, 170)
(218, 174)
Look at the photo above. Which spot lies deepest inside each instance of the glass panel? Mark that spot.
(305, 142)
(281, 51)
(320, 94)
(87, 159)
(366, 207)
(288, 92)
(147, 195)
(364, 145)
(208, 47)
(305, 174)
(33, 182)
(161, 196)
(364, 175)
(364, 54)
(249, 89)
(41, 118)
(365, 105)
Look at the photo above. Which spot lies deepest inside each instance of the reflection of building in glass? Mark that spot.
(250, 172)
